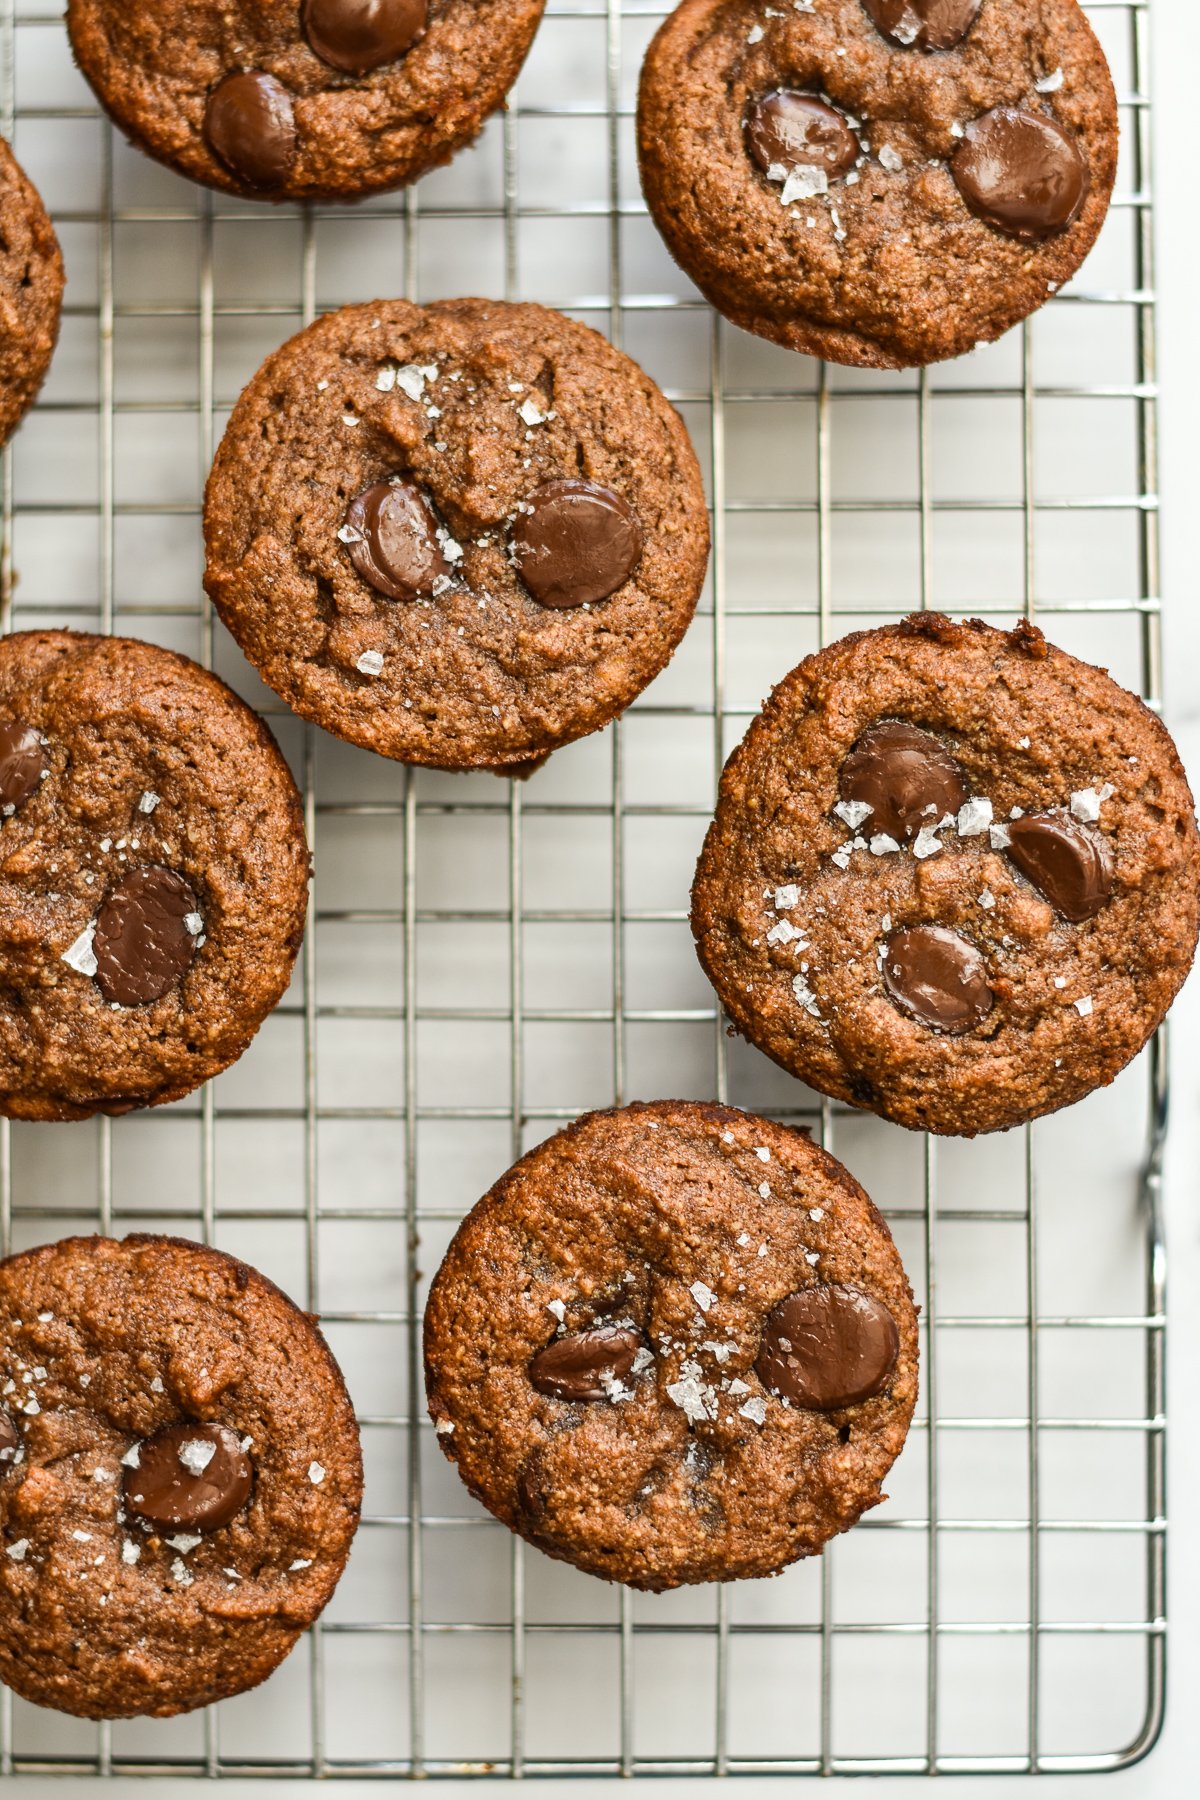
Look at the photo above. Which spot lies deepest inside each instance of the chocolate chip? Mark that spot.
(395, 544)
(193, 1475)
(1022, 173)
(577, 543)
(360, 35)
(923, 24)
(906, 776)
(250, 123)
(23, 761)
(144, 941)
(786, 128)
(827, 1347)
(10, 1437)
(584, 1365)
(1066, 862)
(938, 977)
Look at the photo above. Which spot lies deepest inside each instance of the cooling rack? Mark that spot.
(486, 959)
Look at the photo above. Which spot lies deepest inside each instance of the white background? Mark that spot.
(1172, 1769)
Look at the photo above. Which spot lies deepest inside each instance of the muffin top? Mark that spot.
(883, 182)
(953, 877)
(460, 534)
(153, 875)
(31, 291)
(180, 1475)
(674, 1344)
(302, 99)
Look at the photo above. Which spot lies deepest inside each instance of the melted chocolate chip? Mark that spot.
(785, 128)
(23, 761)
(1022, 173)
(10, 1437)
(1066, 862)
(192, 1475)
(906, 776)
(360, 35)
(576, 544)
(584, 1365)
(143, 943)
(938, 977)
(923, 24)
(397, 548)
(827, 1347)
(250, 124)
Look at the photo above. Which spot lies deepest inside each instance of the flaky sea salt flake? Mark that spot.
(81, 956)
(195, 1455)
(803, 183)
(703, 1296)
(754, 1409)
(974, 817)
(370, 663)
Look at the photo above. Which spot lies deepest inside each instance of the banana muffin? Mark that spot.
(460, 535)
(674, 1344)
(31, 291)
(180, 1475)
(153, 875)
(302, 99)
(953, 877)
(881, 182)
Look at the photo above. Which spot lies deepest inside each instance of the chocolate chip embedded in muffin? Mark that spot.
(153, 875)
(1064, 860)
(1013, 952)
(188, 1479)
(828, 1348)
(923, 24)
(301, 99)
(1021, 173)
(575, 543)
(674, 1344)
(391, 535)
(357, 36)
(879, 182)
(193, 1475)
(31, 291)
(461, 535)
(250, 124)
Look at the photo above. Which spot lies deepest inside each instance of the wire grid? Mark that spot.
(344, 1148)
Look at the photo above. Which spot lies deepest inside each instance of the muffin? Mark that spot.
(459, 535)
(674, 1344)
(953, 876)
(878, 182)
(301, 99)
(31, 291)
(153, 875)
(180, 1476)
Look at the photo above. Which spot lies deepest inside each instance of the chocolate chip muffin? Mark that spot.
(180, 1476)
(153, 875)
(460, 535)
(31, 291)
(674, 1344)
(880, 182)
(302, 99)
(953, 877)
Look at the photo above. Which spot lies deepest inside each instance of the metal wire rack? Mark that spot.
(486, 960)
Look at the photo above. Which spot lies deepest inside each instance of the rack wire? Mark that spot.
(485, 960)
